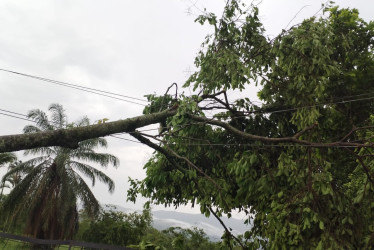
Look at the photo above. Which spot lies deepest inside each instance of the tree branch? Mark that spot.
(226, 229)
(156, 147)
(169, 156)
(292, 139)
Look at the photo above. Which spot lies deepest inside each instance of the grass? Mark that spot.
(14, 245)
(11, 244)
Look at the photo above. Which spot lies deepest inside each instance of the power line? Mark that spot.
(99, 92)
(13, 112)
(336, 98)
(125, 139)
(1, 113)
(258, 111)
(264, 111)
(78, 87)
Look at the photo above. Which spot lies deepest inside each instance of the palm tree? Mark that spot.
(53, 185)
(10, 181)
(4, 159)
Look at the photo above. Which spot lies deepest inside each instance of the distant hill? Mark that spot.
(164, 219)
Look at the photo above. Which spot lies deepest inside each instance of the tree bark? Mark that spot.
(69, 138)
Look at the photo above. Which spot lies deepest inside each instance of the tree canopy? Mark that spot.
(299, 163)
(118, 228)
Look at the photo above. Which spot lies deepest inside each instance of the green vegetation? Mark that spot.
(9, 244)
(14, 245)
(116, 228)
(134, 230)
(300, 164)
(46, 197)
(178, 238)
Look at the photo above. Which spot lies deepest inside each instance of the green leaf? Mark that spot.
(321, 225)
(280, 194)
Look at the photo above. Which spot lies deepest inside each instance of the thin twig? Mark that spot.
(226, 229)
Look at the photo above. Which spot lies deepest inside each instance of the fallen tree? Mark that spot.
(299, 164)
(70, 137)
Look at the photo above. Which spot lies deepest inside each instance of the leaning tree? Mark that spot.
(299, 164)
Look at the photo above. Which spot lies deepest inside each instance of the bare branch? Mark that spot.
(226, 229)
(354, 129)
(176, 94)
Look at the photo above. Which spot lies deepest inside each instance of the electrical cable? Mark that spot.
(264, 111)
(98, 92)
(78, 87)
(121, 138)
(16, 117)
(13, 112)
(259, 111)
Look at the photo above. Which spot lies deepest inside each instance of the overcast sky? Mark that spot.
(127, 47)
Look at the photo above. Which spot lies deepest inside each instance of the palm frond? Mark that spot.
(37, 160)
(90, 204)
(67, 192)
(58, 115)
(40, 118)
(11, 181)
(101, 158)
(95, 173)
(44, 184)
(83, 168)
(15, 170)
(93, 143)
(7, 157)
(43, 151)
(21, 169)
(19, 196)
(31, 129)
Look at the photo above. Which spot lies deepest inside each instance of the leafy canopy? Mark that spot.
(299, 164)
